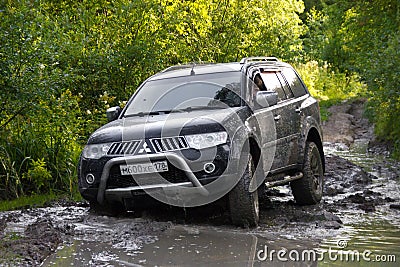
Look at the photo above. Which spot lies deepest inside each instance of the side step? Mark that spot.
(285, 180)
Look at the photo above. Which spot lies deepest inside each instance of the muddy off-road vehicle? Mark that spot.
(193, 134)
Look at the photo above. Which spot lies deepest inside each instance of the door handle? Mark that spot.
(277, 117)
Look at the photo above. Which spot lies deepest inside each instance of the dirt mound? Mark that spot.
(347, 123)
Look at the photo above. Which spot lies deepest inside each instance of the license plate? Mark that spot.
(142, 168)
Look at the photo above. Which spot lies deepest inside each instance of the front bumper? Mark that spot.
(105, 170)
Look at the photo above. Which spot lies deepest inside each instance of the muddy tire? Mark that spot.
(106, 209)
(243, 205)
(308, 190)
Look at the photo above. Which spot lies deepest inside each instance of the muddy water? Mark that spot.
(354, 226)
(184, 245)
(370, 237)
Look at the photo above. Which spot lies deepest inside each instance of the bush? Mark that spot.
(39, 149)
(38, 175)
(328, 86)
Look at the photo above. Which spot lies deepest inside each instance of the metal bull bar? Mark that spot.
(173, 158)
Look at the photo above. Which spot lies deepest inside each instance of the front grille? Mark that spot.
(123, 148)
(169, 143)
(116, 180)
(174, 174)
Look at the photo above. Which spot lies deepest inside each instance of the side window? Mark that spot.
(294, 82)
(272, 83)
(286, 88)
(260, 83)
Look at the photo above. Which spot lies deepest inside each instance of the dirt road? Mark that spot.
(360, 211)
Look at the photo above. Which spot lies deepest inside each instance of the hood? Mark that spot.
(168, 125)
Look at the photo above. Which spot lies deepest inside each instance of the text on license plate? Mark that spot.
(141, 168)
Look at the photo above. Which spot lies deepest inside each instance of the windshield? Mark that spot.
(206, 91)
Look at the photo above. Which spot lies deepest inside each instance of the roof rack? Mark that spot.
(258, 59)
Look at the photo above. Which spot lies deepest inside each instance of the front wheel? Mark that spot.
(308, 189)
(243, 205)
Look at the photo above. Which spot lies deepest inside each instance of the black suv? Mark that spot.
(193, 134)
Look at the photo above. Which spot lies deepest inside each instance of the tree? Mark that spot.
(362, 37)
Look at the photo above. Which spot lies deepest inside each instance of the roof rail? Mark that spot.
(186, 66)
(259, 59)
(178, 67)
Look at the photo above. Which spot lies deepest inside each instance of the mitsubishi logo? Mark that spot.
(145, 148)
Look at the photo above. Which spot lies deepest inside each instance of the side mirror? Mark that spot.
(113, 113)
(266, 98)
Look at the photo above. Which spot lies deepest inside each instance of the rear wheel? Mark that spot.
(308, 189)
(243, 205)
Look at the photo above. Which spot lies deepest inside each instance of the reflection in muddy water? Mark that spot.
(375, 243)
(187, 246)
(89, 253)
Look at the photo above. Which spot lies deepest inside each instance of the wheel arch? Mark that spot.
(255, 151)
(313, 135)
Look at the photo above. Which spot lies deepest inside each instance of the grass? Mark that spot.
(37, 200)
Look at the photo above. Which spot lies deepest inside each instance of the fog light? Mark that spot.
(90, 178)
(209, 167)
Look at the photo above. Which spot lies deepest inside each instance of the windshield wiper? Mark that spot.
(188, 109)
(158, 112)
(142, 114)
(162, 112)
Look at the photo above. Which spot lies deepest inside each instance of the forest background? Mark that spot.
(63, 63)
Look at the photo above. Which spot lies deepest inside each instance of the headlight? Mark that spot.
(200, 141)
(96, 151)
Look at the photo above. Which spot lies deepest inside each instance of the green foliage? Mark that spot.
(329, 86)
(10, 174)
(46, 137)
(384, 105)
(362, 37)
(62, 63)
(325, 83)
(38, 174)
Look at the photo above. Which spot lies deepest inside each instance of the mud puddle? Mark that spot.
(182, 245)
